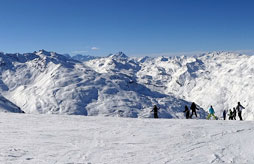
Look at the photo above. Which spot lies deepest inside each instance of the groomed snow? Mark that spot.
(69, 139)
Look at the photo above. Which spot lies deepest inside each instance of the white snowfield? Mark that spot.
(117, 85)
(68, 139)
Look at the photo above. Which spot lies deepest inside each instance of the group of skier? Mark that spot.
(193, 109)
(232, 114)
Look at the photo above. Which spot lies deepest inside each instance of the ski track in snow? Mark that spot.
(29, 138)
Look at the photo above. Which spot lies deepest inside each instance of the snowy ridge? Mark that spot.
(117, 85)
(80, 57)
(7, 106)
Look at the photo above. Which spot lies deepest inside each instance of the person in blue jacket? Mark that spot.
(211, 113)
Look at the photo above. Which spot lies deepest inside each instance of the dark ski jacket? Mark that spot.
(155, 109)
(239, 107)
(224, 113)
(193, 107)
(186, 109)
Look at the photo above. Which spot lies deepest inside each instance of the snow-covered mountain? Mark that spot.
(80, 57)
(117, 85)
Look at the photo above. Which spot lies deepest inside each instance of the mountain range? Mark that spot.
(120, 86)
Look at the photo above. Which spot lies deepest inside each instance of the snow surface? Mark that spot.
(118, 85)
(30, 138)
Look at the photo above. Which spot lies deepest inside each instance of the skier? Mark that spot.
(155, 111)
(239, 108)
(193, 109)
(234, 113)
(187, 111)
(211, 113)
(224, 114)
(230, 115)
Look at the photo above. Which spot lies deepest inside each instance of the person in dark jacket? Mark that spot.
(155, 111)
(230, 115)
(234, 113)
(239, 108)
(224, 114)
(187, 112)
(193, 109)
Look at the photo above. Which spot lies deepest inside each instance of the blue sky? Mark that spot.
(136, 27)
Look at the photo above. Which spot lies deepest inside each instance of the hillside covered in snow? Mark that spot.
(122, 86)
(7, 106)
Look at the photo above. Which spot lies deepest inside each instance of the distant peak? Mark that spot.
(81, 57)
(44, 52)
(143, 59)
(119, 55)
(225, 53)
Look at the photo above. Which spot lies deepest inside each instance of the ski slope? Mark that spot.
(61, 139)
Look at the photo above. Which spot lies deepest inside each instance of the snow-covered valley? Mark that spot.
(33, 138)
(118, 85)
